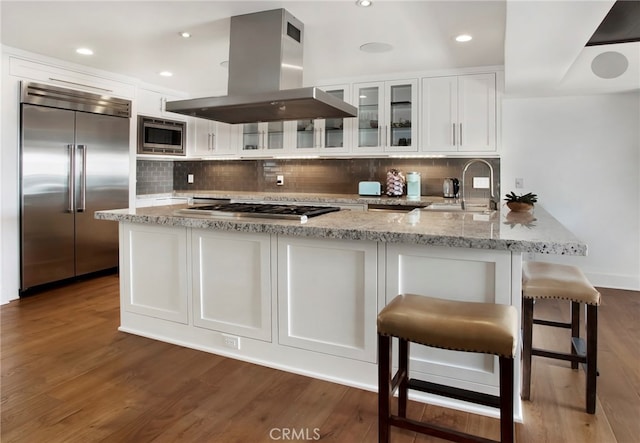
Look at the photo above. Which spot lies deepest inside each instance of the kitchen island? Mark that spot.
(303, 297)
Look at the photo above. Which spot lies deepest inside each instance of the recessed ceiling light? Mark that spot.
(464, 38)
(376, 47)
(84, 51)
(185, 34)
(166, 74)
(364, 3)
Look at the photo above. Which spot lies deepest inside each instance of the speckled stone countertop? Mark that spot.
(301, 197)
(536, 232)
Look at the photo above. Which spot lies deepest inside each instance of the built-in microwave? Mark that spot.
(161, 136)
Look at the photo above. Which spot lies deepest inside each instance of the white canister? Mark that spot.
(413, 185)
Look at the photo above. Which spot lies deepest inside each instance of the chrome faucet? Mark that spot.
(493, 203)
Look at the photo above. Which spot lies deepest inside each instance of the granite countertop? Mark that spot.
(536, 232)
(301, 197)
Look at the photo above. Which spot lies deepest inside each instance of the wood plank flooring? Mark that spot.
(68, 375)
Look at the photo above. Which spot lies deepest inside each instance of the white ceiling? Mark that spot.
(543, 47)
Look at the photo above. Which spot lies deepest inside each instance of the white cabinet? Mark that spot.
(153, 103)
(327, 296)
(231, 279)
(71, 78)
(325, 136)
(387, 116)
(459, 113)
(454, 274)
(153, 269)
(265, 139)
(211, 138)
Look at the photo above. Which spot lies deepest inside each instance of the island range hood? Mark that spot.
(265, 76)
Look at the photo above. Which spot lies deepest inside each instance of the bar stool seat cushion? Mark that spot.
(486, 328)
(551, 280)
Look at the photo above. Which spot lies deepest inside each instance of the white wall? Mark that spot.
(9, 192)
(2, 297)
(581, 156)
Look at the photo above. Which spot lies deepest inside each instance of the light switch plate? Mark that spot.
(481, 182)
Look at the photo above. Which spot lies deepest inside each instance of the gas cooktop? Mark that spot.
(258, 210)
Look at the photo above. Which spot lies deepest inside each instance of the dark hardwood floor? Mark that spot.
(68, 375)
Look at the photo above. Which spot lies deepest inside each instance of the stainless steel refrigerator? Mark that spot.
(74, 161)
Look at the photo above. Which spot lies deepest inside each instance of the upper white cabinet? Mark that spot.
(459, 113)
(265, 139)
(153, 103)
(387, 116)
(324, 136)
(210, 138)
(70, 78)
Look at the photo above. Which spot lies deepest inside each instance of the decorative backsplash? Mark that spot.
(332, 176)
(154, 177)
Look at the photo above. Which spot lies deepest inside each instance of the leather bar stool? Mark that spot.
(461, 326)
(564, 282)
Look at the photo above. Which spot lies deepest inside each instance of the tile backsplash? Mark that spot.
(154, 177)
(332, 176)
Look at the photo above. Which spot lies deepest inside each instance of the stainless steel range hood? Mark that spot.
(265, 76)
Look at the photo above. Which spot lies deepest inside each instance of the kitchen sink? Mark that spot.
(457, 207)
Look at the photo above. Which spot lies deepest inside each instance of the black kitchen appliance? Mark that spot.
(258, 210)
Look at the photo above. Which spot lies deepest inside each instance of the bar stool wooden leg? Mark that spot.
(403, 373)
(384, 385)
(507, 425)
(527, 344)
(575, 329)
(592, 357)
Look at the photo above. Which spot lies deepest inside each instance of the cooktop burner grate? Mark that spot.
(258, 210)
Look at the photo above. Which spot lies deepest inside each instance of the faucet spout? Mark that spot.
(493, 203)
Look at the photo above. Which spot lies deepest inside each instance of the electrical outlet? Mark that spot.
(190, 178)
(279, 180)
(231, 341)
(481, 182)
(519, 183)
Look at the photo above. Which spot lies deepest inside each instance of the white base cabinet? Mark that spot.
(153, 271)
(476, 275)
(231, 281)
(305, 305)
(327, 296)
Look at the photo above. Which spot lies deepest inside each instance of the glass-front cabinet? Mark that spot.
(261, 139)
(387, 116)
(326, 136)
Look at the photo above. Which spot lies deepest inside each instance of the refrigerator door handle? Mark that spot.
(83, 180)
(72, 177)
